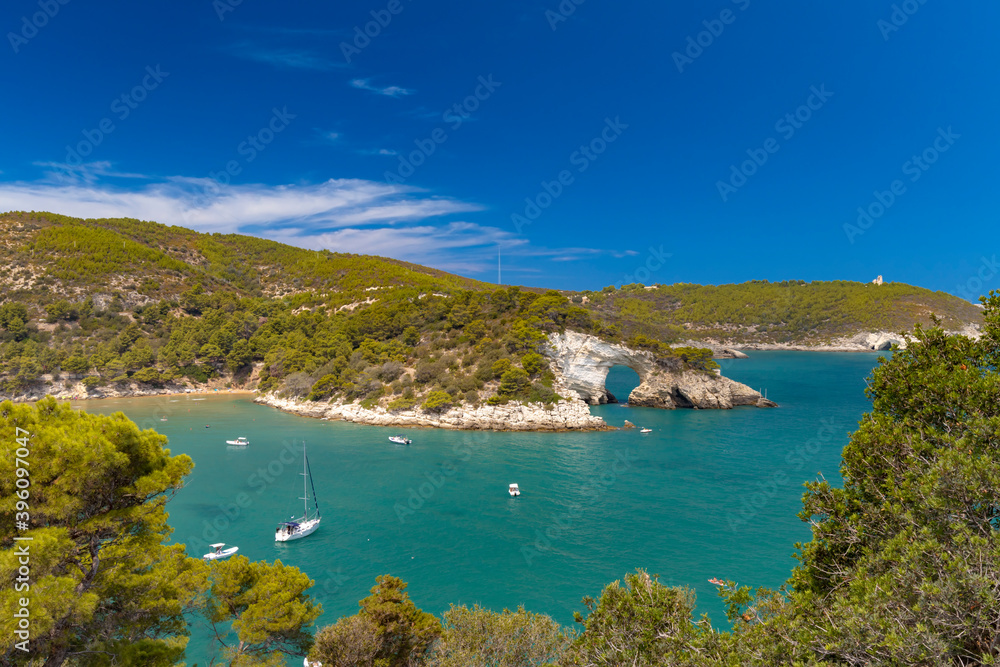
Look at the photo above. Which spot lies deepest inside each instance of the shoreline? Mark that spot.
(564, 416)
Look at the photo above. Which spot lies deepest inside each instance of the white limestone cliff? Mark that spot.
(581, 363)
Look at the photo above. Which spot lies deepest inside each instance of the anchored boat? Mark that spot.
(400, 440)
(220, 553)
(514, 491)
(239, 442)
(307, 524)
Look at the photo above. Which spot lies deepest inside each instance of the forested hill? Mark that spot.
(785, 312)
(113, 303)
(50, 256)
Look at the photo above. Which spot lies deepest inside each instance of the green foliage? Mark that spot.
(791, 311)
(437, 401)
(641, 623)
(697, 358)
(148, 376)
(267, 606)
(388, 631)
(323, 389)
(103, 579)
(499, 367)
(401, 403)
(513, 382)
(479, 637)
(534, 363)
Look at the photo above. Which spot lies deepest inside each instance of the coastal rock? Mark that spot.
(628, 424)
(730, 353)
(571, 415)
(691, 389)
(581, 363)
(878, 340)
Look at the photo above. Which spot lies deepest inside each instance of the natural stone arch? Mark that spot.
(615, 394)
(582, 363)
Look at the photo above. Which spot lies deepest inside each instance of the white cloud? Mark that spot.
(200, 204)
(342, 215)
(388, 91)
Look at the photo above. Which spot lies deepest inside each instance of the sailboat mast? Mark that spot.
(305, 484)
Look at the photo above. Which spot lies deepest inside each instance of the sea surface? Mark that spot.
(710, 493)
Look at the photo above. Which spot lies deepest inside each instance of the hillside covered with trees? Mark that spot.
(113, 304)
(793, 311)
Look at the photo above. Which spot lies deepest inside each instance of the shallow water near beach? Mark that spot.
(707, 494)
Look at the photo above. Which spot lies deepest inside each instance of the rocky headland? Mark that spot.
(580, 363)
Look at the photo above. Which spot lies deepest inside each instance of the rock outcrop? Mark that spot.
(571, 415)
(581, 363)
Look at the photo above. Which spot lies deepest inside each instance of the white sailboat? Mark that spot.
(298, 528)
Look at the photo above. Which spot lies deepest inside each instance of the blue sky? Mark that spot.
(594, 143)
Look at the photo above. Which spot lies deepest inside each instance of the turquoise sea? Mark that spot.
(706, 494)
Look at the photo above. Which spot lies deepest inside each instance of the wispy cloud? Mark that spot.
(284, 58)
(344, 215)
(374, 151)
(329, 137)
(86, 172)
(388, 91)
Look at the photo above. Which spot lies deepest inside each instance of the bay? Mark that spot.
(709, 493)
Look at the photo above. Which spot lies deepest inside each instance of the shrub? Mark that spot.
(513, 382)
(534, 363)
(148, 376)
(499, 367)
(389, 371)
(298, 384)
(429, 372)
(437, 401)
(697, 357)
(401, 404)
(324, 388)
(91, 382)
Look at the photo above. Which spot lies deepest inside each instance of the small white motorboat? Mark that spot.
(400, 440)
(220, 553)
(514, 491)
(646, 430)
(306, 663)
(239, 442)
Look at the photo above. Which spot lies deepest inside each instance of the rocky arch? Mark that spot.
(581, 363)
